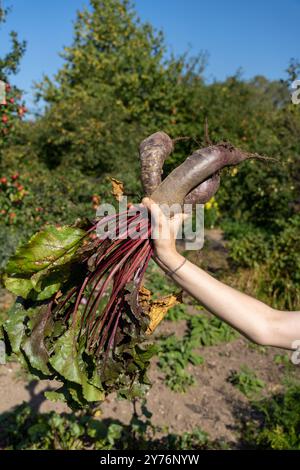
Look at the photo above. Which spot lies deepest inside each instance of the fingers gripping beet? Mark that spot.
(153, 152)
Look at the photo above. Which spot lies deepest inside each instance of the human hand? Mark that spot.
(164, 230)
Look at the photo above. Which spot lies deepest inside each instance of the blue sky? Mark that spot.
(258, 36)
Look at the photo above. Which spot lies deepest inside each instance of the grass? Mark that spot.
(157, 281)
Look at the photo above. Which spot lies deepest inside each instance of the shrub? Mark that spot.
(279, 425)
(274, 260)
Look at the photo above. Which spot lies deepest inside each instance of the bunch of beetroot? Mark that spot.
(82, 312)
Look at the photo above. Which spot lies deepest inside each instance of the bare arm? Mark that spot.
(249, 316)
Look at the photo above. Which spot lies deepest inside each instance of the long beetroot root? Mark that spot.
(154, 150)
(197, 168)
(204, 191)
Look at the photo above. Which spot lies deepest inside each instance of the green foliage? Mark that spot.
(53, 344)
(280, 278)
(40, 267)
(282, 359)
(115, 87)
(174, 356)
(246, 381)
(248, 246)
(12, 194)
(177, 313)
(88, 134)
(157, 281)
(208, 331)
(11, 108)
(261, 192)
(39, 197)
(195, 440)
(279, 425)
(25, 429)
(258, 348)
(275, 259)
(212, 213)
(50, 349)
(9, 64)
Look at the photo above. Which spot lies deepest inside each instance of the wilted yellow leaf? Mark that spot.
(117, 189)
(144, 296)
(158, 308)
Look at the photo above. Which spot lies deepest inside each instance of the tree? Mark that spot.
(11, 107)
(115, 87)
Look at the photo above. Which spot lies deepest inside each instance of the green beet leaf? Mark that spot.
(14, 326)
(18, 286)
(68, 362)
(64, 359)
(39, 268)
(34, 346)
(52, 246)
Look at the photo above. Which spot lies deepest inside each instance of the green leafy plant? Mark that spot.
(275, 263)
(282, 269)
(208, 331)
(257, 347)
(46, 273)
(174, 356)
(286, 364)
(212, 213)
(251, 249)
(11, 107)
(278, 425)
(12, 193)
(246, 381)
(25, 429)
(176, 353)
(10, 111)
(177, 313)
(197, 439)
